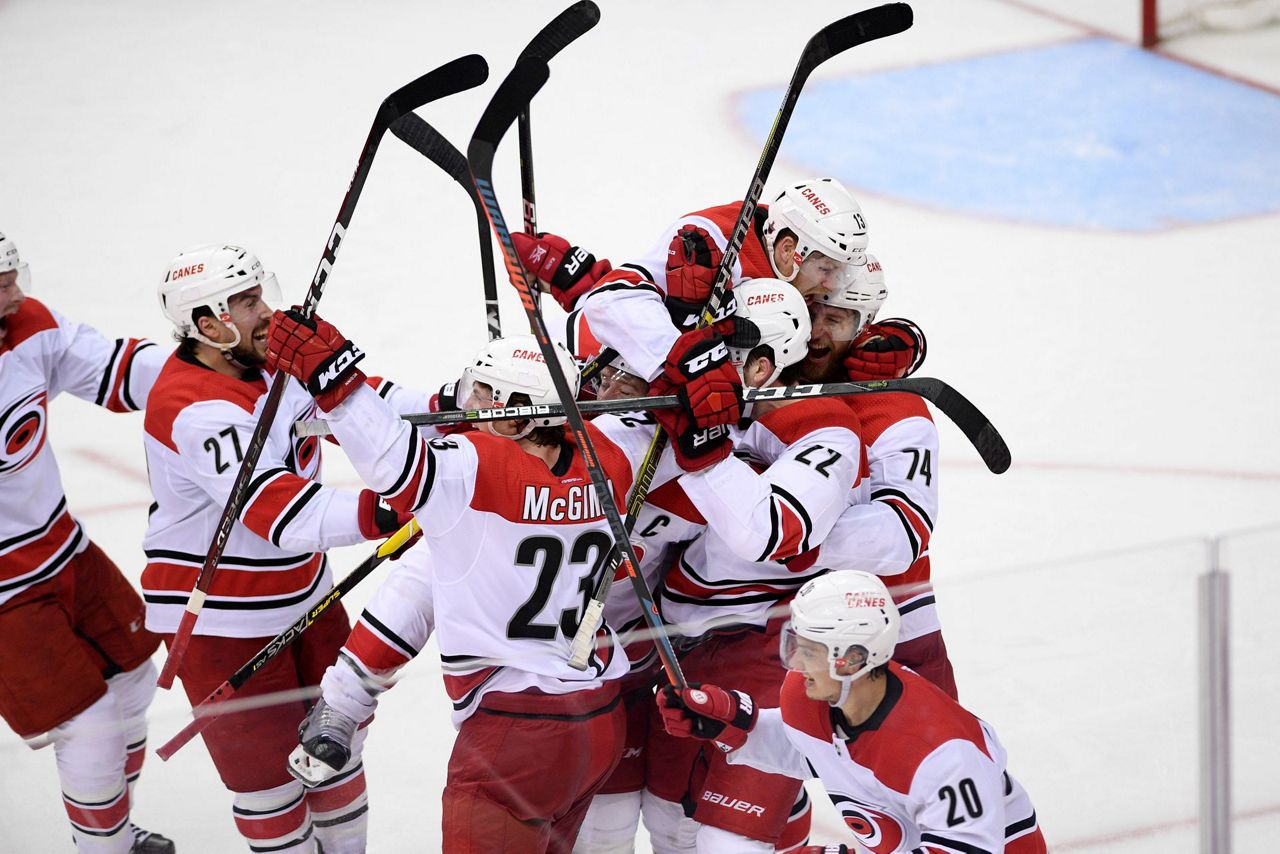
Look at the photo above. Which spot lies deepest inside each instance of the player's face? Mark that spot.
(810, 659)
(833, 331)
(818, 274)
(620, 385)
(481, 397)
(11, 298)
(251, 315)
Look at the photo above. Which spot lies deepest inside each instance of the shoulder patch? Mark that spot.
(32, 317)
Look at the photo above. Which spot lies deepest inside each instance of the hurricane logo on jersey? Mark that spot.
(22, 432)
(877, 830)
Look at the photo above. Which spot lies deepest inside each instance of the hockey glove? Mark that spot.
(709, 713)
(698, 372)
(379, 520)
(315, 352)
(889, 350)
(826, 849)
(445, 400)
(566, 272)
(692, 260)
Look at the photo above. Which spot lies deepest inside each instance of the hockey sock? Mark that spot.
(90, 750)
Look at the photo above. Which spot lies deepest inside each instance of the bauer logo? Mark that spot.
(735, 804)
(814, 199)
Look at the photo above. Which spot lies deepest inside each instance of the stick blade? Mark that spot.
(513, 95)
(977, 428)
(463, 73)
(858, 28)
(565, 28)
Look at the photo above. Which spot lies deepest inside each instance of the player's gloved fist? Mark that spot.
(446, 399)
(378, 519)
(708, 712)
(708, 385)
(692, 260)
(888, 350)
(315, 352)
(567, 272)
(698, 372)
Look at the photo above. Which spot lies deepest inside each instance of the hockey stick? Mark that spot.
(207, 710)
(858, 28)
(513, 94)
(977, 427)
(463, 73)
(426, 140)
(550, 40)
(851, 31)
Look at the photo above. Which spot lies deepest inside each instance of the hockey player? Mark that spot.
(812, 236)
(911, 770)
(75, 660)
(516, 542)
(890, 535)
(723, 587)
(204, 408)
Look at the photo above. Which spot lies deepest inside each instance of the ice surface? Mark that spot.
(1132, 375)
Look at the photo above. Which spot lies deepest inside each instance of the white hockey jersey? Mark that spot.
(756, 550)
(921, 775)
(514, 548)
(273, 567)
(626, 310)
(889, 536)
(42, 355)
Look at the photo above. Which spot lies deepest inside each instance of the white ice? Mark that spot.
(1132, 375)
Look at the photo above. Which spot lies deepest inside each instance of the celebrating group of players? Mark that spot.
(787, 543)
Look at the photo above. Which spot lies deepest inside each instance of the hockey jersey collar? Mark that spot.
(849, 732)
(249, 375)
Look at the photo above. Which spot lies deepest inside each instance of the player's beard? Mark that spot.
(247, 353)
(826, 365)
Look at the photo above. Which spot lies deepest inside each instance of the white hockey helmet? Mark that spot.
(864, 294)
(583, 344)
(824, 217)
(208, 276)
(11, 260)
(514, 365)
(844, 610)
(769, 312)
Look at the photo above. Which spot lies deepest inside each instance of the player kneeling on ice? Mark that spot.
(514, 535)
(911, 769)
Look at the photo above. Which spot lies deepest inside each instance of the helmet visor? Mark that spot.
(800, 653)
(820, 273)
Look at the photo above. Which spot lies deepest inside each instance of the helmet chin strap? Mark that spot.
(220, 345)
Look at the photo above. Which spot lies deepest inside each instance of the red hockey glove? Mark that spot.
(697, 370)
(379, 520)
(709, 713)
(889, 350)
(445, 400)
(316, 353)
(567, 272)
(692, 261)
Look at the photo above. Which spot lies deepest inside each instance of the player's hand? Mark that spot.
(445, 400)
(315, 352)
(692, 261)
(379, 520)
(888, 350)
(698, 372)
(566, 272)
(708, 712)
